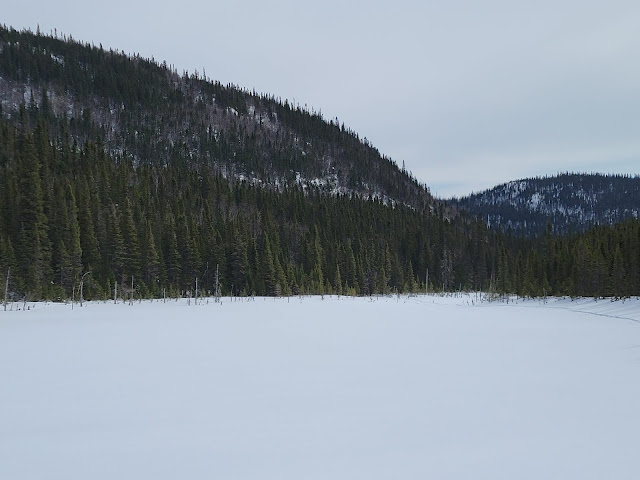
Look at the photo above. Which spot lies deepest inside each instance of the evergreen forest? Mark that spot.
(154, 201)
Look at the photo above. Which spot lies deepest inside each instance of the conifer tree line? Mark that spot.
(68, 209)
(116, 170)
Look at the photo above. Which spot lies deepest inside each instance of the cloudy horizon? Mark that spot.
(467, 95)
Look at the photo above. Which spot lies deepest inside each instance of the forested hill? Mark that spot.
(69, 212)
(146, 112)
(142, 182)
(569, 202)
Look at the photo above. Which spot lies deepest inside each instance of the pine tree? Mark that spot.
(118, 253)
(34, 254)
(172, 256)
(337, 282)
(130, 239)
(74, 247)
(268, 270)
(63, 274)
(186, 246)
(88, 240)
(239, 265)
(617, 279)
(350, 270)
(317, 276)
(282, 284)
(150, 261)
(412, 286)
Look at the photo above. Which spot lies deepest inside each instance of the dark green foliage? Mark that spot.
(143, 185)
(104, 219)
(34, 248)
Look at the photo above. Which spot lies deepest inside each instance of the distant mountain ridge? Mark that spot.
(570, 201)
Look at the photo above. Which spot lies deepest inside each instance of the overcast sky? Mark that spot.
(468, 94)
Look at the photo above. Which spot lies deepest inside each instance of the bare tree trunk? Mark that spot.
(82, 286)
(426, 288)
(6, 290)
(217, 293)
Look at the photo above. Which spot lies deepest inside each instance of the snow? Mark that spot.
(311, 388)
(57, 58)
(534, 202)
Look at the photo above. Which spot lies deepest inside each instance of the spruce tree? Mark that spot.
(172, 255)
(130, 239)
(238, 264)
(268, 271)
(34, 254)
(74, 247)
(88, 240)
(118, 253)
(150, 261)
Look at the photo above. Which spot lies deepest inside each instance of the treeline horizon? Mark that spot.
(68, 209)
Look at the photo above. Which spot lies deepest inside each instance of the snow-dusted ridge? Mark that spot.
(252, 137)
(570, 201)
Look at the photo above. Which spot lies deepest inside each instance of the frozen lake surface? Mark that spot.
(389, 388)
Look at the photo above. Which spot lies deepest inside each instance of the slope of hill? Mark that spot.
(147, 112)
(570, 202)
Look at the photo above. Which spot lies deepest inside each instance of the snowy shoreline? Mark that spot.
(625, 308)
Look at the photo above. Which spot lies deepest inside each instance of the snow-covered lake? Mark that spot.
(408, 388)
